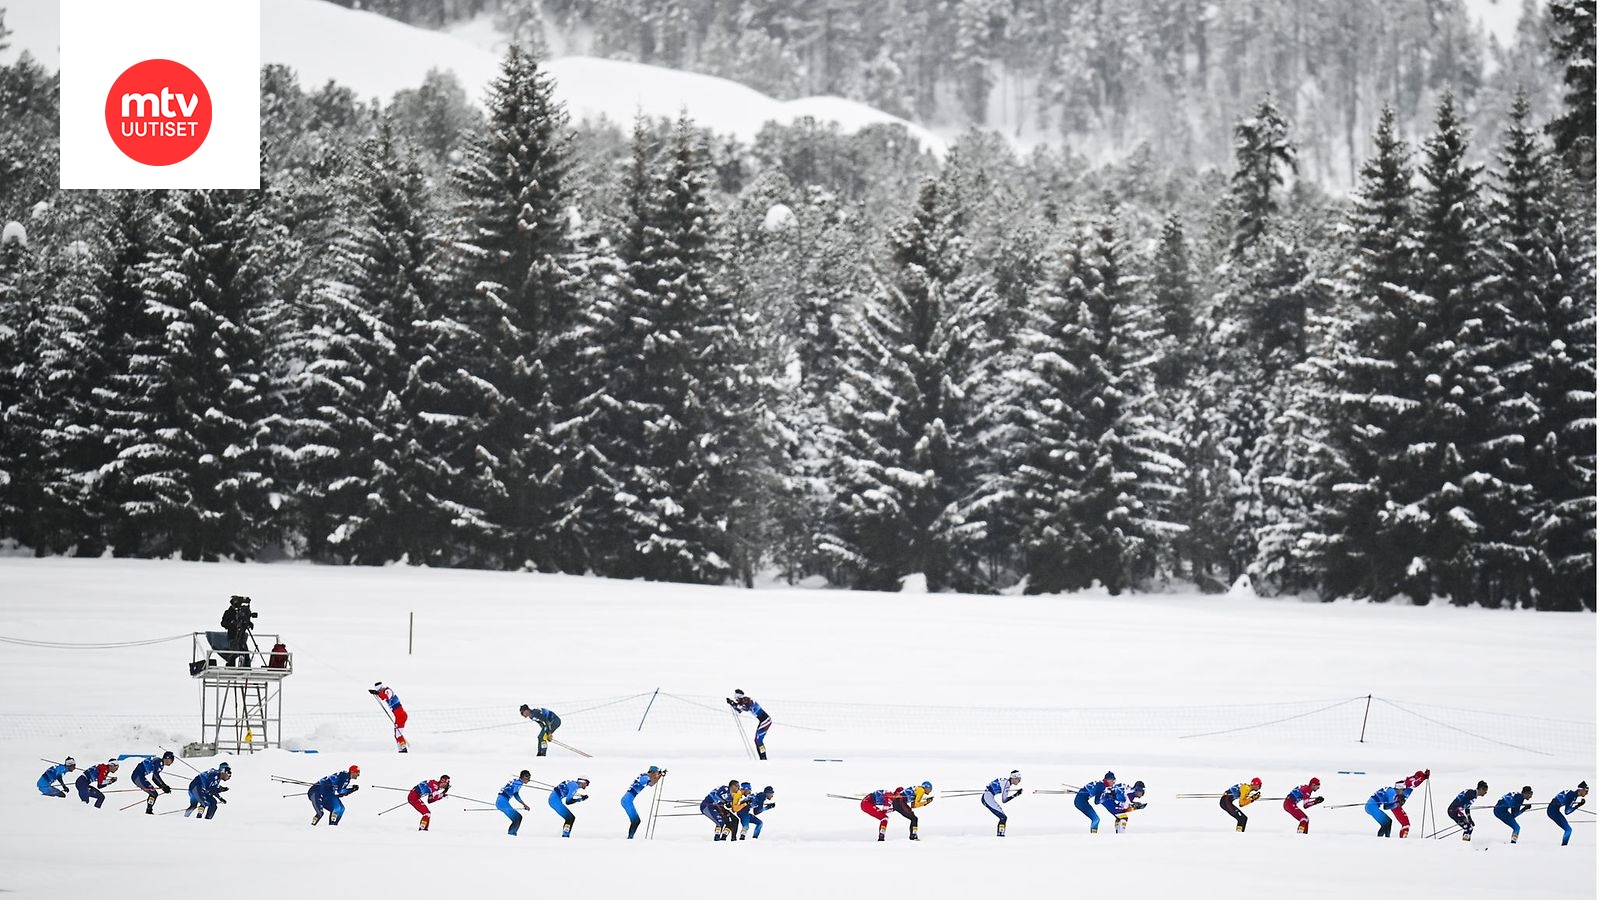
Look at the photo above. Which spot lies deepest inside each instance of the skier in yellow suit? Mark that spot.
(911, 798)
(1244, 793)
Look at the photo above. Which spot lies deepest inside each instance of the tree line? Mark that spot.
(528, 345)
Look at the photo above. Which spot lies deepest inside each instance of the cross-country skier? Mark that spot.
(648, 778)
(564, 795)
(1460, 809)
(1389, 798)
(547, 721)
(1121, 800)
(206, 789)
(328, 794)
(93, 779)
(742, 798)
(1563, 805)
(1302, 797)
(1089, 794)
(428, 791)
(911, 799)
(1244, 793)
(718, 807)
(147, 776)
(759, 803)
(1000, 791)
(877, 805)
(390, 699)
(743, 703)
(1512, 805)
(513, 791)
(53, 782)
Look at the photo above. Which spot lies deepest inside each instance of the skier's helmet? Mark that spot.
(1255, 783)
(1314, 783)
(927, 786)
(225, 769)
(355, 771)
(1110, 779)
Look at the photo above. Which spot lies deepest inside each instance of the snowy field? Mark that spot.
(900, 688)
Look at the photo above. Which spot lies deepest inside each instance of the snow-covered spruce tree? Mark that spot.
(1262, 149)
(1174, 302)
(1094, 472)
(1543, 352)
(195, 462)
(1256, 334)
(903, 464)
(24, 286)
(93, 316)
(665, 419)
(1463, 496)
(379, 438)
(512, 255)
(795, 267)
(1574, 130)
(1358, 542)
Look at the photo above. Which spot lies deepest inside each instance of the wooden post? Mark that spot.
(1364, 720)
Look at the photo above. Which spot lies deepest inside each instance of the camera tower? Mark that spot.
(241, 697)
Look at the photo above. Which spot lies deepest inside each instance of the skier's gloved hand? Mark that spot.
(1139, 805)
(730, 702)
(351, 789)
(165, 789)
(1426, 774)
(372, 692)
(221, 789)
(220, 799)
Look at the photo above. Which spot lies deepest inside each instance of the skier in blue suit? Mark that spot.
(646, 779)
(759, 803)
(1512, 805)
(1089, 794)
(564, 795)
(1384, 799)
(1563, 805)
(206, 790)
(1120, 800)
(513, 791)
(326, 795)
(718, 807)
(53, 782)
(147, 777)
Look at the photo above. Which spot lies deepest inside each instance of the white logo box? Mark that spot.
(219, 39)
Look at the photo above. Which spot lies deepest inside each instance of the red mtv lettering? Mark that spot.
(158, 112)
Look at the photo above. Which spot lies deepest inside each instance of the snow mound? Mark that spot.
(376, 56)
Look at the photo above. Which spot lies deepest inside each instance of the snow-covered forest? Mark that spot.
(501, 339)
(1167, 76)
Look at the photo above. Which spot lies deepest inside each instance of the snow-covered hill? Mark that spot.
(376, 56)
(867, 690)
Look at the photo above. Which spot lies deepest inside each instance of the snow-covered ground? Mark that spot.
(377, 56)
(898, 688)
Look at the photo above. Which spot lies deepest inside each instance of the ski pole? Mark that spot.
(655, 809)
(1445, 831)
(295, 794)
(386, 788)
(470, 800)
(290, 780)
(744, 741)
(133, 804)
(395, 807)
(572, 748)
(180, 759)
(1054, 792)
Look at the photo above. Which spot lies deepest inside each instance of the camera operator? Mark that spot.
(238, 621)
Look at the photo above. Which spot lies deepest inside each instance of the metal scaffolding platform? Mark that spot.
(241, 692)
